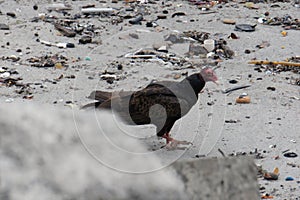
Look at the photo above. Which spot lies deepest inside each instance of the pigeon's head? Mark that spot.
(208, 74)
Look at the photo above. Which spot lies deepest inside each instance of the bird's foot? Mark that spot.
(174, 144)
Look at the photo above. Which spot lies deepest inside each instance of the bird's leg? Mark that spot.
(172, 144)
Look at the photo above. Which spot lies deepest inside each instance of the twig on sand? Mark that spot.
(235, 88)
(221, 152)
(266, 62)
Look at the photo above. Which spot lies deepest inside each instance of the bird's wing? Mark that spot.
(142, 101)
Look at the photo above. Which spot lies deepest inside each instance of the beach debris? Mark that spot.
(251, 5)
(137, 20)
(85, 39)
(59, 45)
(247, 51)
(161, 47)
(271, 88)
(87, 58)
(91, 10)
(161, 16)
(196, 50)
(290, 155)
(267, 62)
(263, 44)
(11, 14)
(178, 14)
(245, 27)
(35, 7)
(8, 82)
(65, 31)
(4, 26)
(228, 21)
(284, 33)
(289, 178)
(233, 81)
(267, 196)
(9, 100)
(209, 44)
(4, 75)
(271, 175)
(197, 35)
(231, 121)
(48, 61)
(141, 53)
(235, 88)
(175, 37)
(287, 22)
(243, 98)
(59, 7)
(233, 36)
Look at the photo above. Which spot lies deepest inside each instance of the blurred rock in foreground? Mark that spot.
(59, 154)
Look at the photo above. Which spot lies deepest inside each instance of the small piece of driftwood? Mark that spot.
(266, 62)
(235, 88)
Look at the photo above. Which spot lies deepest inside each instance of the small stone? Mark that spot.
(233, 81)
(283, 33)
(70, 45)
(59, 66)
(177, 76)
(9, 100)
(11, 14)
(289, 178)
(120, 67)
(162, 17)
(251, 5)
(271, 88)
(5, 75)
(290, 155)
(163, 49)
(134, 35)
(247, 51)
(228, 21)
(4, 27)
(85, 40)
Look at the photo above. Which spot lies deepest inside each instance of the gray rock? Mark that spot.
(67, 154)
(226, 179)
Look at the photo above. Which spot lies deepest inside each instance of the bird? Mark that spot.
(160, 103)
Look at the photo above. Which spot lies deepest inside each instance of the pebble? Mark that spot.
(5, 75)
(233, 81)
(283, 33)
(290, 155)
(9, 100)
(228, 21)
(271, 88)
(11, 14)
(289, 178)
(87, 58)
(4, 27)
(85, 40)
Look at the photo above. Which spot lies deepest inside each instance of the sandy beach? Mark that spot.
(41, 64)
